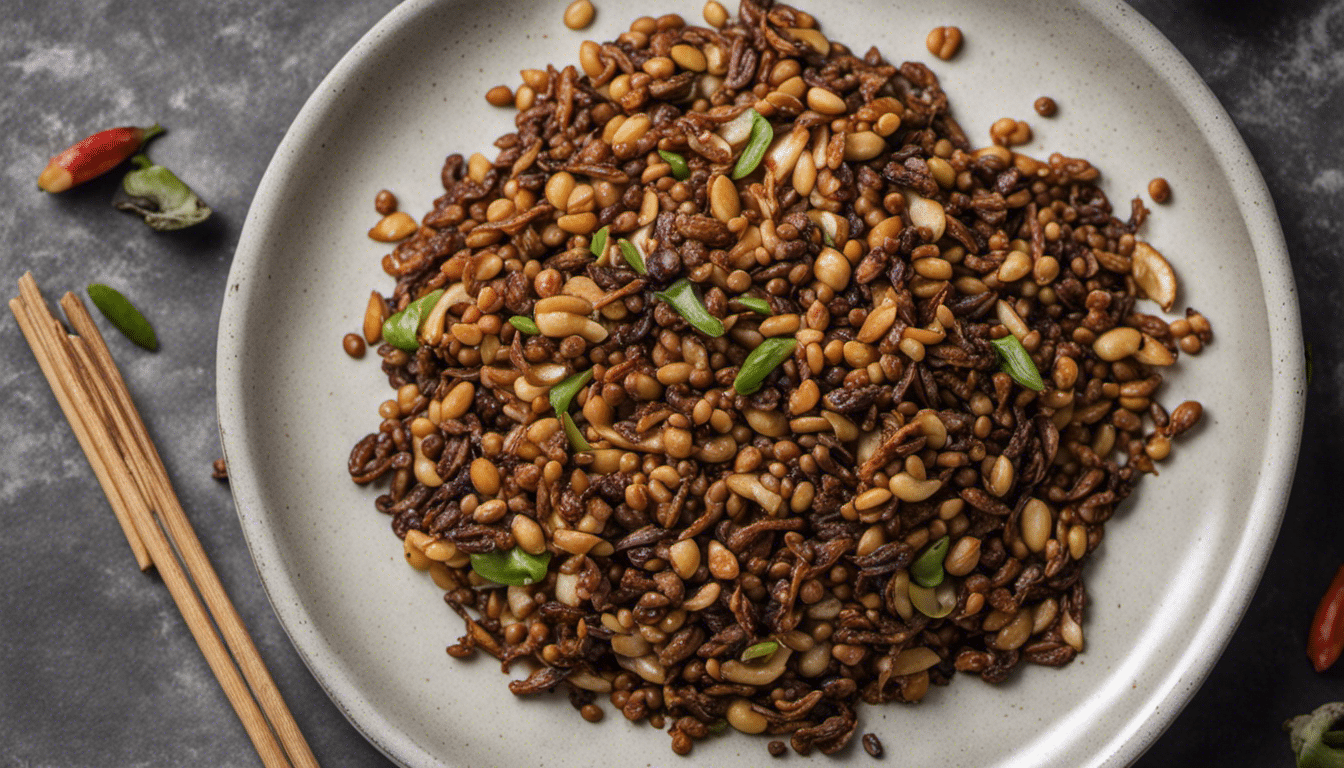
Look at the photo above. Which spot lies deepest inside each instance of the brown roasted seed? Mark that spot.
(1159, 190)
(944, 42)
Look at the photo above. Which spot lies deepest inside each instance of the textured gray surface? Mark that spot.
(96, 666)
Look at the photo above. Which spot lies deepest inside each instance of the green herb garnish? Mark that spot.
(525, 324)
(680, 171)
(514, 568)
(927, 570)
(764, 359)
(761, 136)
(760, 650)
(401, 329)
(632, 256)
(1015, 361)
(755, 304)
(682, 297)
(599, 243)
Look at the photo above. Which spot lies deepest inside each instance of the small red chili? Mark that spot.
(94, 156)
(1326, 640)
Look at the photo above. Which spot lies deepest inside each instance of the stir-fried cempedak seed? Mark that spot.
(740, 387)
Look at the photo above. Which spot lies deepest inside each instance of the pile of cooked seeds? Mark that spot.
(740, 387)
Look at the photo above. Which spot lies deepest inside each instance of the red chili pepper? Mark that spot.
(1326, 640)
(94, 156)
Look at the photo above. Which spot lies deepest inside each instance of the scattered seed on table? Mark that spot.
(354, 345)
(1159, 190)
(1046, 106)
(499, 96)
(944, 42)
(579, 14)
(872, 745)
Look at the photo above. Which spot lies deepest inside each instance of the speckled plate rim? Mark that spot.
(1208, 639)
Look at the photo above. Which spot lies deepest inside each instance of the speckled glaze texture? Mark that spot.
(1179, 563)
(97, 668)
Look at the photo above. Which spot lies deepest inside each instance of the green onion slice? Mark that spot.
(599, 243)
(562, 394)
(927, 570)
(124, 315)
(1015, 361)
(576, 439)
(760, 650)
(525, 324)
(761, 136)
(755, 304)
(681, 295)
(680, 171)
(763, 359)
(400, 329)
(632, 256)
(515, 567)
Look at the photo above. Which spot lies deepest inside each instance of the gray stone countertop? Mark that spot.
(96, 665)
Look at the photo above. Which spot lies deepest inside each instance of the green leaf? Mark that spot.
(764, 359)
(682, 297)
(680, 171)
(927, 570)
(514, 568)
(562, 394)
(760, 650)
(761, 136)
(124, 315)
(401, 330)
(525, 324)
(599, 243)
(1015, 361)
(632, 256)
(755, 304)
(576, 439)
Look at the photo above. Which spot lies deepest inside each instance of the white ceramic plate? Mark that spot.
(1179, 563)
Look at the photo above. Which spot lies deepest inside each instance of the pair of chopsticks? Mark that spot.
(93, 395)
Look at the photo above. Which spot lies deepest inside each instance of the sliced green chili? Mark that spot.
(755, 304)
(525, 324)
(124, 315)
(400, 329)
(514, 568)
(680, 171)
(599, 243)
(761, 136)
(681, 295)
(632, 256)
(1015, 361)
(927, 570)
(562, 394)
(765, 358)
(760, 650)
(576, 439)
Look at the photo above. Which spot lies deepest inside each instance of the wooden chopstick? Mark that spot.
(95, 355)
(81, 430)
(95, 400)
